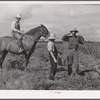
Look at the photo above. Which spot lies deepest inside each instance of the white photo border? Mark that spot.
(50, 94)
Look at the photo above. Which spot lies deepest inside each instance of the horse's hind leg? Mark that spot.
(3, 55)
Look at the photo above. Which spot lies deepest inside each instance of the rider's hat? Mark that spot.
(74, 30)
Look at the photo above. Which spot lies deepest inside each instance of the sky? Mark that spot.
(58, 18)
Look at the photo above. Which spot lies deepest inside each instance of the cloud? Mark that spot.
(58, 18)
(9, 11)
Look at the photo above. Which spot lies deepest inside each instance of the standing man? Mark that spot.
(73, 44)
(53, 53)
(16, 32)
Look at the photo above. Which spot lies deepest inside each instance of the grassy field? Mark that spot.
(12, 77)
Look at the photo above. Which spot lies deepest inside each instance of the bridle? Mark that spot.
(41, 33)
(32, 39)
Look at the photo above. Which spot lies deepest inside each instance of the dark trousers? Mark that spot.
(73, 62)
(53, 66)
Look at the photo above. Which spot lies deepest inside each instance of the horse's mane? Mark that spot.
(32, 31)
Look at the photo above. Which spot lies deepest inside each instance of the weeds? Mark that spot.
(12, 77)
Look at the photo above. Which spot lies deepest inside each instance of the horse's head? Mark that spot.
(44, 31)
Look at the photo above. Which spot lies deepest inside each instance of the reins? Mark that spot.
(24, 35)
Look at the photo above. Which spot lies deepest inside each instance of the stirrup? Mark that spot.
(21, 50)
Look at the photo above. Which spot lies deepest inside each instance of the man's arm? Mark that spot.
(50, 48)
(55, 60)
(13, 27)
(66, 37)
(81, 40)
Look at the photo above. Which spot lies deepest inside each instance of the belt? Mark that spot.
(13, 31)
(72, 49)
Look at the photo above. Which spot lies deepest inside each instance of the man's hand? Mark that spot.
(18, 31)
(55, 61)
(53, 57)
(22, 31)
(69, 34)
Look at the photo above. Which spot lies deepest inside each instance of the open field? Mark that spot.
(12, 77)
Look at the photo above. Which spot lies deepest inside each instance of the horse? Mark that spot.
(29, 41)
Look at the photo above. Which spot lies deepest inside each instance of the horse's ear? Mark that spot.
(42, 25)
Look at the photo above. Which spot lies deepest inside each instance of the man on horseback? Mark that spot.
(16, 32)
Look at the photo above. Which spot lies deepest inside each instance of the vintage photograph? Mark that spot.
(49, 46)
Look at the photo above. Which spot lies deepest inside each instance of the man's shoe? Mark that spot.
(51, 78)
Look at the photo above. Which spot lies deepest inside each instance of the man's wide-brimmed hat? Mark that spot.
(18, 16)
(52, 36)
(74, 30)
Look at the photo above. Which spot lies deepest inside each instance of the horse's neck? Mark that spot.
(35, 36)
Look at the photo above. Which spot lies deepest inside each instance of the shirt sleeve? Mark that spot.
(13, 26)
(65, 38)
(50, 46)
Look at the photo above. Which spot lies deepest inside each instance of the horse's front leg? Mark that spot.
(26, 60)
(27, 57)
(28, 54)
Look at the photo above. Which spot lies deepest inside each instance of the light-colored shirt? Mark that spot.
(15, 26)
(50, 46)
